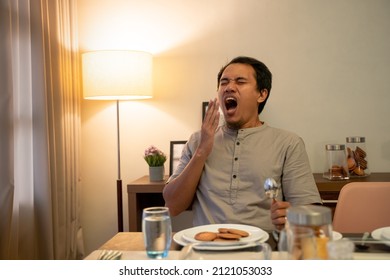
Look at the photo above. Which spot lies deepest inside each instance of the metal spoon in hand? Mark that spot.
(271, 191)
(271, 188)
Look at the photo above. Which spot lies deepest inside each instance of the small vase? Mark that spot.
(156, 173)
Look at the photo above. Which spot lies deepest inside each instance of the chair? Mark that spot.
(362, 207)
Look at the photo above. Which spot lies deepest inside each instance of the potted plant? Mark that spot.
(155, 158)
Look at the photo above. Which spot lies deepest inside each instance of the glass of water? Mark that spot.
(157, 231)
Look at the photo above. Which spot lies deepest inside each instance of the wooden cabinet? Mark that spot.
(143, 193)
(329, 190)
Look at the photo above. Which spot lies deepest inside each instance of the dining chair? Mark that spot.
(362, 207)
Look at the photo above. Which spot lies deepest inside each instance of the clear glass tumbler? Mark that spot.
(157, 231)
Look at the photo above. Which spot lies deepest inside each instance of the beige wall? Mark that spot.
(330, 61)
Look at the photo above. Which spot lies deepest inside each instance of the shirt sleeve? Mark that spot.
(298, 184)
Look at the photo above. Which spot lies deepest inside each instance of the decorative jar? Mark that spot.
(357, 156)
(336, 162)
(318, 218)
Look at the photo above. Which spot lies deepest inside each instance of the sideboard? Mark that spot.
(329, 189)
(143, 193)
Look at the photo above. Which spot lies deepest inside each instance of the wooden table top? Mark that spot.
(133, 241)
(130, 241)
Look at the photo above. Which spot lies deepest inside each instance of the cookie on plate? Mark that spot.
(205, 236)
(229, 236)
(223, 230)
(241, 233)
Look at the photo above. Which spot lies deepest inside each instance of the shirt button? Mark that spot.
(236, 158)
(238, 143)
(234, 176)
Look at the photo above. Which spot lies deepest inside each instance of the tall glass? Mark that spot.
(157, 231)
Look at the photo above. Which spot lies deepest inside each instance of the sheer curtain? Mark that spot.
(39, 130)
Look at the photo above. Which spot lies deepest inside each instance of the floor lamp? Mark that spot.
(117, 75)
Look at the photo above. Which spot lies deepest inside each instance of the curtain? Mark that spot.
(39, 130)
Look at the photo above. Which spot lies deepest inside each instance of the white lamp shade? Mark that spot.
(117, 75)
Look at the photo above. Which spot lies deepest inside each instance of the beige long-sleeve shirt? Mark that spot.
(231, 190)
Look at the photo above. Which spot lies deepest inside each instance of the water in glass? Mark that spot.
(157, 230)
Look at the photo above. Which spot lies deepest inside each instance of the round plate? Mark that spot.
(186, 236)
(380, 233)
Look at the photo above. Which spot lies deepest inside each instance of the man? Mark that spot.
(223, 168)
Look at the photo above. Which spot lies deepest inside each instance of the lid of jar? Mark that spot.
(309, 215)
(356, 139)
(335, 147)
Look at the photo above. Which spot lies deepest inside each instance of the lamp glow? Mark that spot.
(117, 75)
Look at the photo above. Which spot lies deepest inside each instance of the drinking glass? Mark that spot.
(157, 230)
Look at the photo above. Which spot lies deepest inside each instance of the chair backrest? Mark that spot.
(362, 206)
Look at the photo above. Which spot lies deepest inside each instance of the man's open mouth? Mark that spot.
(230, 103)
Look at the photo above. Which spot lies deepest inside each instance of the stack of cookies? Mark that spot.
(338, 171)
(223, 234)
(356, 160)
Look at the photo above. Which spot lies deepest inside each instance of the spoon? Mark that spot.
(185, 252)
(362, 245)
(271, 188)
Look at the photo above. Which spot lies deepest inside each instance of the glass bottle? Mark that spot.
(357, 156)
(336, 162)
(316, 217)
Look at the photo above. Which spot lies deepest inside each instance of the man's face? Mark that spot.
(238, 96)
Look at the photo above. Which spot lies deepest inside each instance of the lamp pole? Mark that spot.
(119, 180)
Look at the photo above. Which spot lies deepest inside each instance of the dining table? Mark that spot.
(132, 247)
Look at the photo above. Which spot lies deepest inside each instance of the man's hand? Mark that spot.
(179, 193)
(209, 126)
(279, 213)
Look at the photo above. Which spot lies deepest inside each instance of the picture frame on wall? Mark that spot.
(175, 150)
(205, 105)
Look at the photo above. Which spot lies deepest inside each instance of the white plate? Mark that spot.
(186, 236)
(379, 233)
(337, 235)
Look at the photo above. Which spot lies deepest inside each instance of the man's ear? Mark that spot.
(263, 95)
